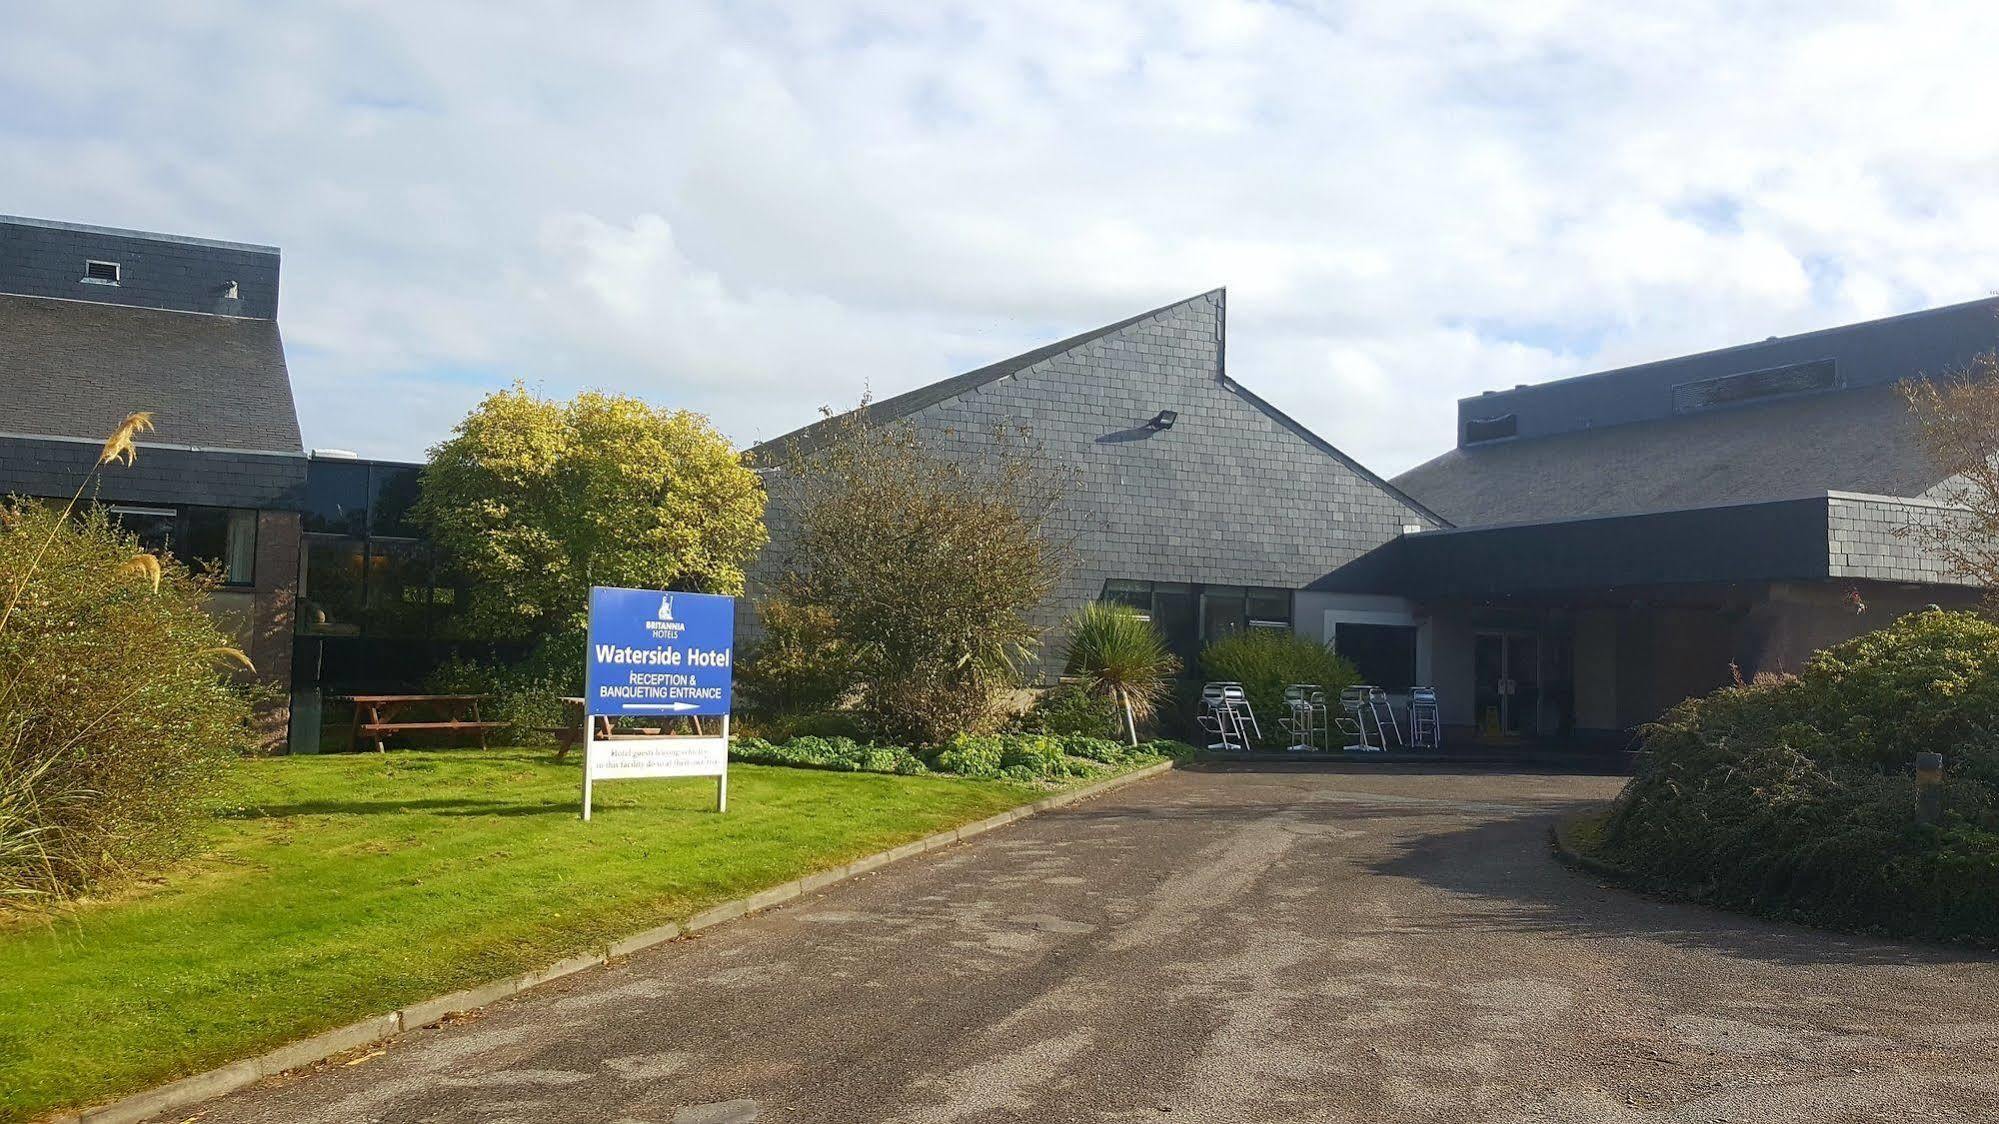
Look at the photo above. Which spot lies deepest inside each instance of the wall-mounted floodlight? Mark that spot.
(1164, 419)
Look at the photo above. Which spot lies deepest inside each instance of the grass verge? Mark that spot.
(344, 886)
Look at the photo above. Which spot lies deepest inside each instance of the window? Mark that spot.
(101, 272)
(1138, 595)
(1491, 429)
(392, 492)
(336, 497)
(1190, 615)
(398, 588)
(1384, 654)
(225, 538)
(152, 526)
(1270, 608)
(330, 587)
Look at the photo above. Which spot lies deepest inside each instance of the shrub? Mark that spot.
(535, 501)
(1034, 757)
(926, 566)
(841, 754)
(526, 695)
(1122, 658)
(1265, 661)
(116, 716)
(1069, 708)
(798, 665)
(1928, 682)
(1789, 796)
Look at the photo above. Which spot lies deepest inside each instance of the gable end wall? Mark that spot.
(1229, 495)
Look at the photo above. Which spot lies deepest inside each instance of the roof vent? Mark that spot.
(101, 272)
(336, 455)
(1491, 429)
(1750, 386)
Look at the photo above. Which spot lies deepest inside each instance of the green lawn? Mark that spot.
(344, 886)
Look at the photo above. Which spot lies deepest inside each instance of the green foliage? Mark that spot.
(527, 695)
(1122, 658)
(1928, 682)
(534, 501)
(1027, 758)
(924, 567)
(1265, 661)
(1790, 796)
(1071, 708)
(116, 714)
(799, 665)
(837, 753)
(1043, 757)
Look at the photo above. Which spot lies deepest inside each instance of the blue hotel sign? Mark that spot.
(659, 653)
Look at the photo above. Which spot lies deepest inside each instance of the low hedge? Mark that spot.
(1793, 797)
(1016, 757)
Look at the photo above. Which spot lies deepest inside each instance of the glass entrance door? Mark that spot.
(1506, 683)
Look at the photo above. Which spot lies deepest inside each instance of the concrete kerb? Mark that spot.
(341, 1040)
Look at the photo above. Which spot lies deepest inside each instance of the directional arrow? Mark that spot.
(663, 706)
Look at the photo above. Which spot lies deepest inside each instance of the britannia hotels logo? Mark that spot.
(665, 627)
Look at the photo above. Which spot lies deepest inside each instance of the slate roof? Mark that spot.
(75, 369)
(808, 438)
(1861, 438)
(805, 440)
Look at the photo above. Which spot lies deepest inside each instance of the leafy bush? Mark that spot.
(1790, 796)
(798, 665)
(924, 566)
(841, 754)
(1928, 682)
(526, 695)
(534, 501)
(1016, 757)
(1123, 658)
(1069, 708)
(116, 716)
(1265, 661)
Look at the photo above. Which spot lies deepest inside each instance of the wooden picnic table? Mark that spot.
(570, 735)
(377, 716)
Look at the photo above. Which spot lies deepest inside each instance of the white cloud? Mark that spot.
(754, 210)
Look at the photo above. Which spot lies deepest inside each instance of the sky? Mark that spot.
(753, 210)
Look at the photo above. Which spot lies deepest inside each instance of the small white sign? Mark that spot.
(663, 756)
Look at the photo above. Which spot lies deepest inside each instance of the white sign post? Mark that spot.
(657, 654)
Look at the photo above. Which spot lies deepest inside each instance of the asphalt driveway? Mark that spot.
(1220, 946)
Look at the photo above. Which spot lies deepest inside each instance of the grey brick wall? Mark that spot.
(46, 259)
(43, 467)
(1881, 538)
(1230, 495)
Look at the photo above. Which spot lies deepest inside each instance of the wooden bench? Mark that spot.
(570, 736)
(377, 716)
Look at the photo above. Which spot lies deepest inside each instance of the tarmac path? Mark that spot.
(1229, 945)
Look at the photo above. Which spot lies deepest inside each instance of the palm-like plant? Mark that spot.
(1122, 657)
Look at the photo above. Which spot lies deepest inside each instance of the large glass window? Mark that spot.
(393, 491)
(330, 586)
(152, 526)
(225, 538)
(1190, 615)
(1384, 654)
(1270, 608)
(398, 588)
(336, 498)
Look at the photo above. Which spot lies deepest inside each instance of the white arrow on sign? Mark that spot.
(663, 706)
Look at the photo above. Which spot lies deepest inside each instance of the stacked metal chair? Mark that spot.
(1228, 717)
(1355, 714)
(1308, 722)
(1426, 730)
